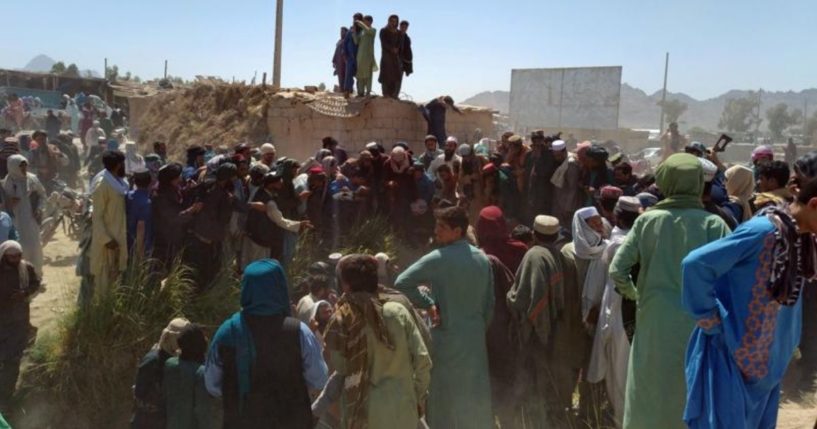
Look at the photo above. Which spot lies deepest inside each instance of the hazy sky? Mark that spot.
(461, 47)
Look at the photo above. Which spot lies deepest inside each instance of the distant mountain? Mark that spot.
(40, 64)
(640, 110)
(497, 100)
(43, 63)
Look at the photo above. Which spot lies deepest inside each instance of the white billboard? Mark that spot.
(581, 97)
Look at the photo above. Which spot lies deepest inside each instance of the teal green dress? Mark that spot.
(658, 242)
(188, 404)
(461, 283)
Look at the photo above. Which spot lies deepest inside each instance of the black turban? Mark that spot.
(226, 171)
(597, 153)
(169, 172)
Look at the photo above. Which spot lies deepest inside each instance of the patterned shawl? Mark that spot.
(795, 256)
(346, 335)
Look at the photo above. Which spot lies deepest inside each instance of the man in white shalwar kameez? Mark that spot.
(611, 348)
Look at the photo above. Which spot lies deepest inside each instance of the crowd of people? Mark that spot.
(676, 298)
(354, 60)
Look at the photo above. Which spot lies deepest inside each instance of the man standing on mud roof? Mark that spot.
(350, 55)
(406, 55)
(366, 64)
(391, 67)
(339, 60)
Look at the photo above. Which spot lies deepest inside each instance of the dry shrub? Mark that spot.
(90, 363)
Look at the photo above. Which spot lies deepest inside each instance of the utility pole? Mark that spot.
(105, 73)
(165, 69)
(664, 94)
(276, 67)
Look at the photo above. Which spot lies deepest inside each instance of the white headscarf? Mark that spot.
(133, 161)
(13, 247)
(399, 160)
(589, 244)
(17, 184)
(170, 335)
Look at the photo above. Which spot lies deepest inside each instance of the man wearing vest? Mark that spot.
(265, 228)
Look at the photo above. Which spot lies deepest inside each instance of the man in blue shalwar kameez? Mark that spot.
(744, 290)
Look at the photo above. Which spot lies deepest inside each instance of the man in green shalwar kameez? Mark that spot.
(366, 64)
(659, 241)
(461, 283)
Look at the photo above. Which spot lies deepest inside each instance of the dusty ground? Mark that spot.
(61, 282)
(798, 411)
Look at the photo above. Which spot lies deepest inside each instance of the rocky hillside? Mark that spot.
(640, 110)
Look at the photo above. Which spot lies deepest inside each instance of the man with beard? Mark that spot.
(268, 155)
(208, 228)
(611, 344)
(624, 179)
(449, 157)
(266, 229)
(597, 174)
(539, 167)
(470, 178)
(109, 236)
(391, 67)
(432, 152)
(539, 302)
(170, 217)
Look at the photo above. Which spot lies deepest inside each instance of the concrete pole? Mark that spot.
(664, 95)
(276, 67)
(165, 69)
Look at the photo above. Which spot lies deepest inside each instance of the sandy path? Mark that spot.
(61, 282)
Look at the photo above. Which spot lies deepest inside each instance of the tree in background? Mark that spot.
(71, 71)
(740, 114)
(781, 118)
(673, 109)
(58, 68)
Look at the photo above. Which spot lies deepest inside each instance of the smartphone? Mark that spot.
(722, 142)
